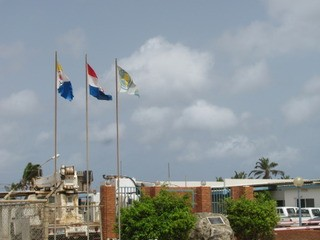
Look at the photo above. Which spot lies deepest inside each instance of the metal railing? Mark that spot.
(218, 197)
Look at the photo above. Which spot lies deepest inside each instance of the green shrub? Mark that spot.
(167, 216)
(252, 219)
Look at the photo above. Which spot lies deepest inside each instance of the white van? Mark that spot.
(306, 218)
(313, 211)
(284, 212)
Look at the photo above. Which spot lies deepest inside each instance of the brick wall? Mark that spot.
(203, 199)
(237, 192)
(202, 195)
(297, 235)
(108, 211)
(202, 202)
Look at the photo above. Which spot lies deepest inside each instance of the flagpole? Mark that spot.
(55, 141)
(118, 157)
(87, 144)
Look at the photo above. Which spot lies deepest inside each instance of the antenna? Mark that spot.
(168, 172)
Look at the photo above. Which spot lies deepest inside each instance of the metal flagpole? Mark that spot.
(87, 145)
(55, 142)
(118, 157)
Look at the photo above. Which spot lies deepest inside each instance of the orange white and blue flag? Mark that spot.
(95, 89)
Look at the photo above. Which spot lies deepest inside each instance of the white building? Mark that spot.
(282, 190)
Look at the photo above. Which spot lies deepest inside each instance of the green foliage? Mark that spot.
(239, 175)
(30, 171)
(253, 219)
(164, 217)
(13, 186)
(265, 169)
(219, 179)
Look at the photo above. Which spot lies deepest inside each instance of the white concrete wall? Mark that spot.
(290, 195)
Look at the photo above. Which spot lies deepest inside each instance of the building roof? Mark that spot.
(229, 182)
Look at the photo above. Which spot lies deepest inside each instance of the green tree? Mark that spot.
(253, 219)
(285, 177)
(239, 175)
(13, 186)
(265, 169)
(219, 179)
(31, 171)
(167, 216)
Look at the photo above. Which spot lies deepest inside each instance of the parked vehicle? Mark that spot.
(286, 211)
(314, 212)
(314, 215)
(306, 218)
(285, 214)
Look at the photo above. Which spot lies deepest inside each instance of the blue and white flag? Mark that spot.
(64, 85)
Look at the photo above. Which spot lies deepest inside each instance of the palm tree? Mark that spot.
(265, 169)
(31, 171)
(285, 177)
(219, 179)
(240, 175)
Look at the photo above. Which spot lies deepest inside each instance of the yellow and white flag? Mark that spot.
(126, 83)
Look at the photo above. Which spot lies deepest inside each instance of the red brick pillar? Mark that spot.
(245, 191)
(248, 192)
(203, 199)
(151, 191)
(108, 211)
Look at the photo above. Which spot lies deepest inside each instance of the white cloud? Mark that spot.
(73, 42)
(237, 147)
(305, 106)
(13, 50)
(104, 134)
(153, 116)
(294, 11)
(203, 116)
(188, 150)
(252, 41)
(11, 57)
(43, 136)
(250, 77)
(6, 136)
(6, 158)
(234, 148)
(312, 87)
(154, 121)
(160, 67)
(293, 26)
(21, 103)
(302, 109)
(192, 152)
(287, 155)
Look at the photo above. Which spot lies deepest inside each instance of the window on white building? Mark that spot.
(306, 202)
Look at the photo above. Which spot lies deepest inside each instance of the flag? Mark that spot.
(95, 89)
(64, 85)
(126, 83)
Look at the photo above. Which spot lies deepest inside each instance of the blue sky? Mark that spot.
(222, 84)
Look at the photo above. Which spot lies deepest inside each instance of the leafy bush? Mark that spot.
(253, 219)
(167, 216)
